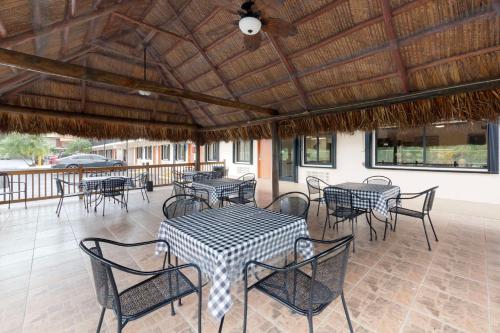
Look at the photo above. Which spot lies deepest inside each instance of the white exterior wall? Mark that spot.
(237, 169)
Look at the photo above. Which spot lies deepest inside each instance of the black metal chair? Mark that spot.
(218, 172)
(246, 194)
(340, 205)
(113, 188)
(314, 188)
(160, 288)
(201, 176)
(61, 192)
(305, 293)
(184, 204)
(180, 188)
(247, 177)
(140, 183)
(180, 178)
(427, 205)
(291, 203)
(380, 180)
(7, 189)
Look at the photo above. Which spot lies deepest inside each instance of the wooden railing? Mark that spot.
(41, 183)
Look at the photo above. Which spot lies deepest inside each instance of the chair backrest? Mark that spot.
(291, 203)
(4, 181)
(182, 205)
(59, 186)
(313, 185)
(179, 188)
(218, 172)
(380, 180)
(246, 190)
(142, 178)
(200, 176)
(113, 185)
(430, 194)
(104, 281)
(328, 269)
(247, 177)
(336, 197)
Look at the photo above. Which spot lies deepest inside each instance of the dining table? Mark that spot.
(218, 187)
(222, 240)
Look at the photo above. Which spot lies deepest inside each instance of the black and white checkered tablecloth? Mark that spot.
(378, 195)
(94, 183)
(216, 187)
(188, 175)
(220, 241)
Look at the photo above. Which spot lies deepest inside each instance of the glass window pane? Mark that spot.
(243, 151)
(310, 152)
(462, 145)
(324, 149)
(396, 146)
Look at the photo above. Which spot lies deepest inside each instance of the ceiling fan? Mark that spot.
(144, 93)
(256, 16)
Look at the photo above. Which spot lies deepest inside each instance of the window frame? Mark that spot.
(217, 152)
(333, 152)
(167, 147)
(235, 154)
(492, 141)
(175, 152)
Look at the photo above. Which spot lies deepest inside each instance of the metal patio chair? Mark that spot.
(7, 189)
(315, 187)
(246, 194)
(159, 288)
(184, 204)
(61, 192)
(247, 177)
(427, 205)
(380, 180)
(218, 172)
(140, 183)
(291, 203)
(113, 189)
(340, 206)
(305, 293)
(201, 176)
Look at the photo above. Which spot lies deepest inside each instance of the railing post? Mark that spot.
(80, 177)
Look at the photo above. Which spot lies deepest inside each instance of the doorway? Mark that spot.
(288, 159)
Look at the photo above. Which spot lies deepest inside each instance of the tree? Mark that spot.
(79, 146)
(24, 146)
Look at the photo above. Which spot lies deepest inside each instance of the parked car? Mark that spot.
(86, 160)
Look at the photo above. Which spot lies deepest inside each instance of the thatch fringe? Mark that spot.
(11, 122)
(464, 106)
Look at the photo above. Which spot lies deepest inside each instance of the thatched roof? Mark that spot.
(345, 52)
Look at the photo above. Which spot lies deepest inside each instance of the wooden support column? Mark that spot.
(275, 160)
(197, 163)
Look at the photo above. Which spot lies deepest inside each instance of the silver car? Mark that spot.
(86, 160)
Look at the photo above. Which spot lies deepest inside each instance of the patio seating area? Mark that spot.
(395, 285)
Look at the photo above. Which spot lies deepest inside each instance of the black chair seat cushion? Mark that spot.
(154, 293)
(294, 290)
(346, 212)
(407, 212)
(238, 200)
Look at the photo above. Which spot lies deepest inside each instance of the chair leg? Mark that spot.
(354, 238)
(146, 193)
(432, 226)
(319, 204)
(245, 310)
(103, 205)
(310, 322)
(59, 207)
(199, 310)
(346, 312)
(385, 229)
(101, 318)
(324, 228)
(25, 198)
(395, 222)
(426, 237)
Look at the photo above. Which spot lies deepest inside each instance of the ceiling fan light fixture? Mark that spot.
(250, 25)
(144, 93)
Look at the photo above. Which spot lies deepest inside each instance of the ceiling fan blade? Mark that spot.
(252, 42)
(269, 7)
(278, 27)
(221, 30)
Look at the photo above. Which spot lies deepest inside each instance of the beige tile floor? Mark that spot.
(391, 286)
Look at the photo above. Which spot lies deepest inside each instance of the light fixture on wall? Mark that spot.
(439, 126)
(144, 92)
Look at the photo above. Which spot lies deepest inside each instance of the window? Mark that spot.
(444, 145)
(138, 152)
(319, 150)
(165, 152)
(145, 153)
(212, 152)
(180, 152)
(243, 151)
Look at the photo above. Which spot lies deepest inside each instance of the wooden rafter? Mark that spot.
(83, 91)
(3, 30)
(37, 25)
(394, 45)
(10, 42)
(69, 12)
(54, 67)
(290, 69)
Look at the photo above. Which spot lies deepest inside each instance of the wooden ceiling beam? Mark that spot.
(64, 115)
(69, 13)
(10, 42)
(393, 42)
(3, 30)
(36, 23)
(290, 69)
(59, 68)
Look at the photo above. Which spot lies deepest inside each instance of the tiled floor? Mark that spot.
(391, 286)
